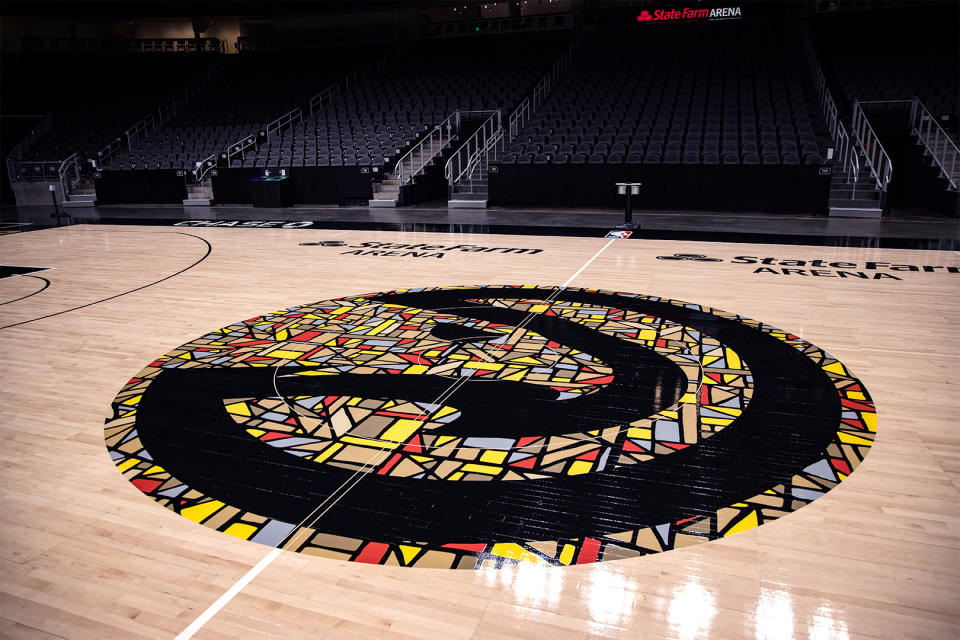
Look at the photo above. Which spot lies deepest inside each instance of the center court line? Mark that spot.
(274, 553)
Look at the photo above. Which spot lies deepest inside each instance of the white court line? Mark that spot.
(228, 595)
(274, 553)
(587, 263)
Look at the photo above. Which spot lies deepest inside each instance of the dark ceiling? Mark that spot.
(159, 8)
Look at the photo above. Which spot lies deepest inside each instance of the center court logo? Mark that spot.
(572, 416)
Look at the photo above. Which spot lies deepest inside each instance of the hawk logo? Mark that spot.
(694, 257)
(489, 425)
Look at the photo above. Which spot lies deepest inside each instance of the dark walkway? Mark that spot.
(913, 230)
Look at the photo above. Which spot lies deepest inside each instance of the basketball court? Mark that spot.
(699, 439)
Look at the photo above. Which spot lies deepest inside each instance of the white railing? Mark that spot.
(315, 103)
(518, 119)
(13, 166)
(875, 157)
(845, 157)
(525, 110)
(173, 105)
(43, 44)
(936, 141)
(284, 121)
(68, 173)
(108, 151)
(240, 147)
(323, 98)
(142, 127)
(419, 155)
(493, 26)
(489, 141)
(16, 154)
(475, 149)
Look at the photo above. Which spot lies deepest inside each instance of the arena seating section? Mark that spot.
(89, 109)
(706, 116)
(672, 95)
(254, 90)
(893, 55)
(366, 125)
(693, 105)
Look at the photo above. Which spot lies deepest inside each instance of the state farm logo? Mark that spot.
(686, 14)
(419, 250)
(695, 257)
(822, 268)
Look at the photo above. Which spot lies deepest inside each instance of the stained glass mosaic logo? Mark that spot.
(467, 427)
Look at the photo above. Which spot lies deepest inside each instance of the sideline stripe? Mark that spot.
(587, 263)
(229, 594)
(274, 553)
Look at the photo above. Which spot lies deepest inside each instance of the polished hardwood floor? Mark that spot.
(84, 554)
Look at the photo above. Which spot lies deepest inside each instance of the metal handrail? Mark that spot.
(13, 166)
(495, 26)
(323, 97)
(875, 156)
(68, 172)
(838, 133)
(109, 151)
(284, 121)
(519, 118)
(414, 160)
(847, 158)
(144, 125)
(925, 126)
(531, 104)
(170, 107)
(489, 141)
(466, 157)
(240, 146)
(204, 166)
(46, 44)
(20, 149)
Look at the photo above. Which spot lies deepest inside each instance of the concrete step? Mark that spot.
(197, 202)
(81, 197)
(78, 204)
(856, 212)
(868, 184)
(864, 201)
(868, 190)
(460, 203)
(378, 202)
